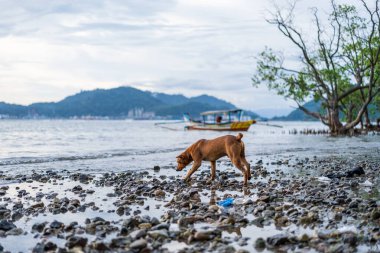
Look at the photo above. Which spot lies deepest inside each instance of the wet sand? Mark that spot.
(305, 205)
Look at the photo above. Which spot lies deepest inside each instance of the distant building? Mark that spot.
(139, 113)
(4, 116)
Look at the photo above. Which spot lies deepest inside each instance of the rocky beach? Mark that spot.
(303, 205)
(111, 186)
(114, 115)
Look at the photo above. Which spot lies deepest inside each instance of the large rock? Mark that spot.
(138, 244)
(159, 193)
(260, 243)
(14, 231)
(76, 241)
(39, 227)
(277, 240)
(50, 246)
(162, 233)
(56, 225)
(37, 205)
(137, 234)
(355, 172)
(375, 214)
(203, 235)
(6, 225)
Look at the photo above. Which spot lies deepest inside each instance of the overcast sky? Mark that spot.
(51, 49)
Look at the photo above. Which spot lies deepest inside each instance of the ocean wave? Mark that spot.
(103, 155)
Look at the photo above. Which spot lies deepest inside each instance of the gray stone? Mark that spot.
(56, 224)
(203, 235)
(50, 246)
(138, 244)
(6, 225)
(375, 214)
(76, 241)
(260, 243)
(161, 226)
(14, 231)
(277, 240)
(16, 216)
(39, 227)
(39, 248)
(137, 234)
(158, 233)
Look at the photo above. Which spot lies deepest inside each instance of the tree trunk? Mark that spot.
(336, 127)
(367, 119)
(350, 113)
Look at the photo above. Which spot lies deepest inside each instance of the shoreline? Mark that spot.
(143, 211)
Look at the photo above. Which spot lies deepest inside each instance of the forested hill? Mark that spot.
(119, 102)
(299, 115)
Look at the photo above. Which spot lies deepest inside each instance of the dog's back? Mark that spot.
(211, 150)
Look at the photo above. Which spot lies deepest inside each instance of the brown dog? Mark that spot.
(212, 150)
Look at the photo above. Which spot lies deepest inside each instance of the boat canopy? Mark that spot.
(221, 112)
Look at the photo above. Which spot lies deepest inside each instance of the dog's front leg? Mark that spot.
(213, 170)
(196, 165)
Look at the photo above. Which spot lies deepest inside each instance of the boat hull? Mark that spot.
(233, 126)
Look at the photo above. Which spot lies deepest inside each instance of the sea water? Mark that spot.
(97, 146)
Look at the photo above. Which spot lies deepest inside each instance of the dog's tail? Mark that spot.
(239, 136)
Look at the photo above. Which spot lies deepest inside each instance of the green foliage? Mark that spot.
(339, 67)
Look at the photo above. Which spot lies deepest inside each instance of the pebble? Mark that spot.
(277, 240)
(162, 233)
(159, 193)
(39, 227)
(76, 241)
(138, 244)
(6, 225)
(280, 199)
(260, 243)
(202, 236)
(56, 225)
(137, 234)
(14, 231)
(375, 214)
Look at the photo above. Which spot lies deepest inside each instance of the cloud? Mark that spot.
(51, 49)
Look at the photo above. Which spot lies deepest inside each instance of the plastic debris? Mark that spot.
(226, 202)
(324, 179)
(347, 229)
(238, 201)
(366, 184)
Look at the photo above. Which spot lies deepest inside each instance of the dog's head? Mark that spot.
(183, 160)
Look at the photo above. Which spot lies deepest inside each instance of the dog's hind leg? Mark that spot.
(196, 165)
(247, 167)
(239, 165)
(213, 170)
(244, 161)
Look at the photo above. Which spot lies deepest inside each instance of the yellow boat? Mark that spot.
(223, 120)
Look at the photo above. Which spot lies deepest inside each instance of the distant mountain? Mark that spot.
(205, 99)
(170, 99)
(299, 115)
(254, 115)
(121, 102)
(12, 109)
